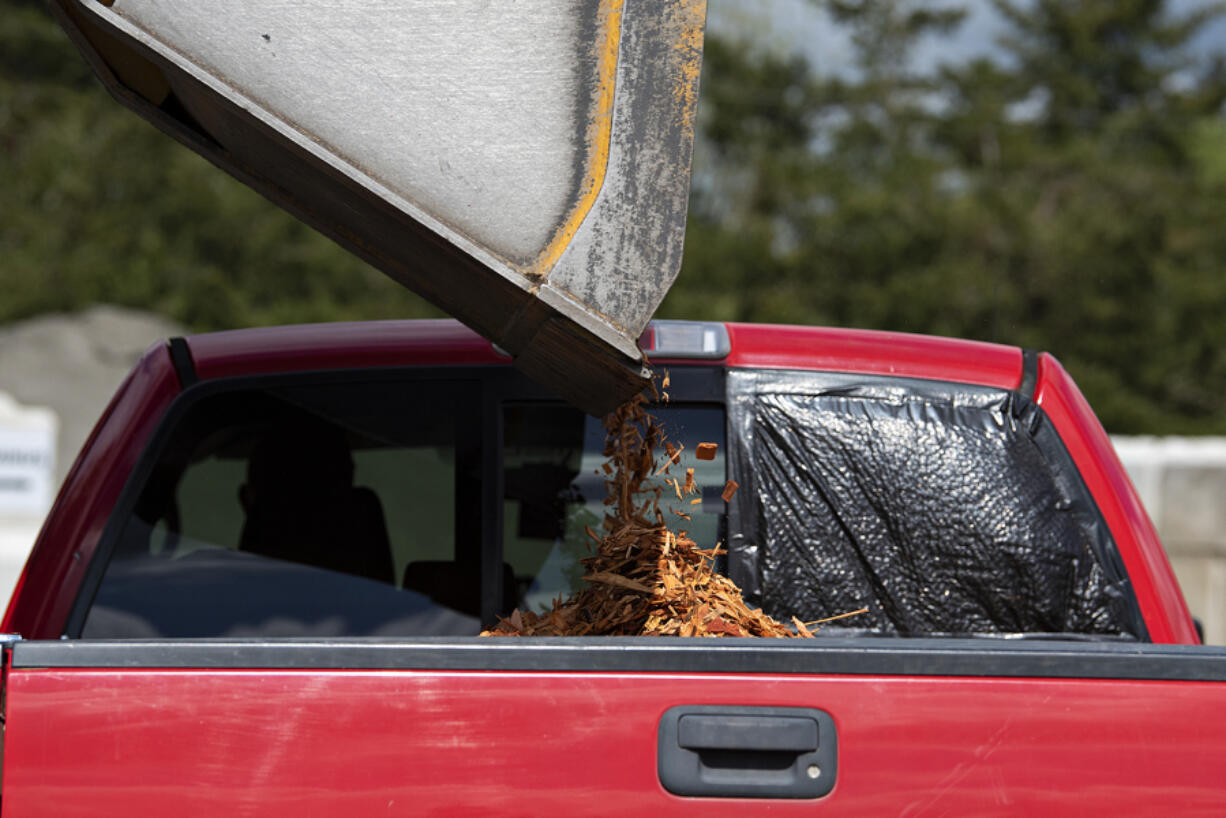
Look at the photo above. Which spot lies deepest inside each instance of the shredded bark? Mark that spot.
(643, 578)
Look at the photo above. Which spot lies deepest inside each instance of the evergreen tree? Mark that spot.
(1064, 195)
(96, 205)
(1099, 187)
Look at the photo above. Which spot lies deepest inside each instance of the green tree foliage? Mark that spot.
(1066, 195)
(96, 205)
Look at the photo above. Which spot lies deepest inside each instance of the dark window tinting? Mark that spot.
(296, 511)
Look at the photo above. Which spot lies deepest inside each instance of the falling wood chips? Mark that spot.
(644, 579)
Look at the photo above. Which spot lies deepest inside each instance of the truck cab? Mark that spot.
(409, 457)
(262, 582)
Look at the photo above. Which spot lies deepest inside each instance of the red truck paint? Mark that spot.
(1158, 594)
(271, 742)
(340, 346)
(872, 351)
(57, 563)
(40, 606)
(291, 744)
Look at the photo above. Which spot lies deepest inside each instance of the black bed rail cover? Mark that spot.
(887, 656)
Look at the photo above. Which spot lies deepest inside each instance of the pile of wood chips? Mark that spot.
(644, 579)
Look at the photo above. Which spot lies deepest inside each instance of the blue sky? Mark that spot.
(799, 25)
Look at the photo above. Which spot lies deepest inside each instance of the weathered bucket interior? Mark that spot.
(523, 166)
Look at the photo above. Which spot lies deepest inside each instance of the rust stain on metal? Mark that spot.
(689, 41)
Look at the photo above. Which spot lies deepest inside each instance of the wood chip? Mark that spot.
(838, 616)
(706, 451)
(729, 490)
(617, 580)
(676, 487)
(671, 460)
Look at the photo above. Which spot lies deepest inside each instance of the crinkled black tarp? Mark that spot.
(941, 508)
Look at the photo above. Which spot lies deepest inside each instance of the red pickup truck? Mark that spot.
(259, 590)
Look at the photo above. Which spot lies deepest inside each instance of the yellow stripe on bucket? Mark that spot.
(599, 132)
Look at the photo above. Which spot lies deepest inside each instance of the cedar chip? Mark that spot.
(618, 580)
(706, 451)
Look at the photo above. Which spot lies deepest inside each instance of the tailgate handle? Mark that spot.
(788, 734)
(747, 752)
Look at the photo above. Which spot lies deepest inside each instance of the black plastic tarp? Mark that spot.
(941, 508)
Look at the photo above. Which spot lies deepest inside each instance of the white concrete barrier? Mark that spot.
(1182, 481)
(27, 482)
(72, 364)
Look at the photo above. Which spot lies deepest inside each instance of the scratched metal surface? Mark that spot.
(475, 111)
(523, 166)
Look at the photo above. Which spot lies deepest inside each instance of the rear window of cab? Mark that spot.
(431, 502)
(350, 508)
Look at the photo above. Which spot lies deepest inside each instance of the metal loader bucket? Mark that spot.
(523, 165)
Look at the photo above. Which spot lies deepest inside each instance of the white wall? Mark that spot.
(27, 482)
(71, 364)
(1182, 482)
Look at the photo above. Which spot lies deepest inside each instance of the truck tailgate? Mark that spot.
(924, 727)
